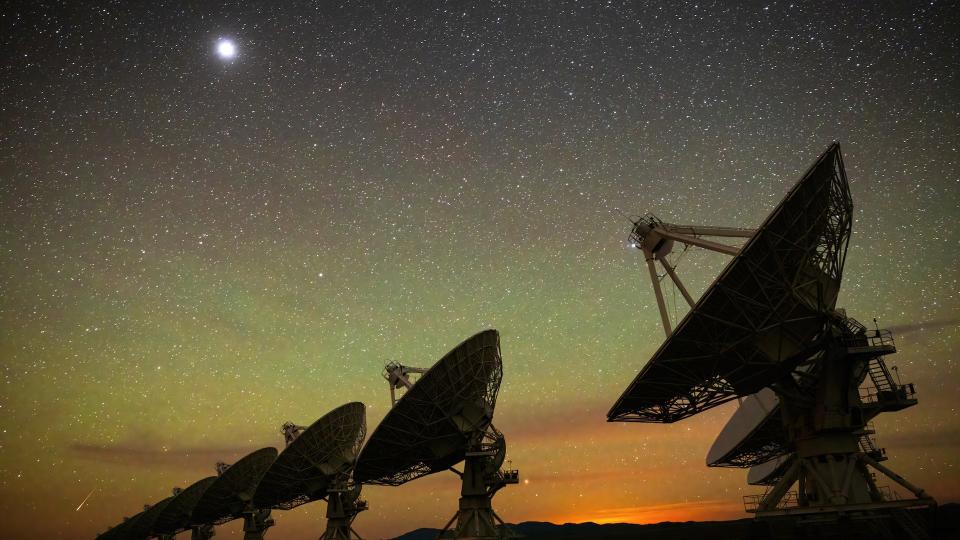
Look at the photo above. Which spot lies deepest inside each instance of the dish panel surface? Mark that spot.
(121, 530)
(143, 526)
(227, 497)
(767, 474)
(176, 516)
(753, 435)
(305, 468)
(430, 426)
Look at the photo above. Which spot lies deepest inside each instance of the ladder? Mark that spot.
(880, 375)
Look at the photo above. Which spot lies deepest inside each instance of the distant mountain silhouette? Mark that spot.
(946, 524)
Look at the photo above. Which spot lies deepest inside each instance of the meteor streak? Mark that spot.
(85, 499)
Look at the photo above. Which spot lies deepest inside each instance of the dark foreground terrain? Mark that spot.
(944, 524)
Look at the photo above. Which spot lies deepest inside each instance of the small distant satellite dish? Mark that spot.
(175, 518)
(121, 530)
(231, 494)
(143, 525)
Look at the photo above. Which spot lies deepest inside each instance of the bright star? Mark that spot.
(226, 49)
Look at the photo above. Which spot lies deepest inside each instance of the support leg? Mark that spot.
(677, 282)
(659, 293)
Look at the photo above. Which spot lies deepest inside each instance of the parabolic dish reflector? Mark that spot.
(121, 530)
(753, 435)
(142, 526)
(428, 429)
(306, 467)
(227, 497)
(176, 516)
(766, 308)
(767, 474)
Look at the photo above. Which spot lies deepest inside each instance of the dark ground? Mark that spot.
(944, 522)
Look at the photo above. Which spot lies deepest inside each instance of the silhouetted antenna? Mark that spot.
(766, 329)
(446, 417)
(317, 463)
(230, 496)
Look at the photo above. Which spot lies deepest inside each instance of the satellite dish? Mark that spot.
(768, 326)
(121, 530)
(770, 472)
(316, 464)
(142, 526)
(314, 459)
(766, 308)
(230, 496)
(753, 435)
(442, 419)
(429, 429)
(175, 518)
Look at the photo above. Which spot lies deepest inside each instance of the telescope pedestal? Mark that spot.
(202, 532)
(342, 508)
(256, 523)
(481, 479)
(834, 471)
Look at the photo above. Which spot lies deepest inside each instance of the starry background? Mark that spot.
(196, 249)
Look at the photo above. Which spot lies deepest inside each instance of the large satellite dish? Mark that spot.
(430, 427)
(176, 516)
(763, 311)
(316, 464)
(319, 455)
(443, 419)
(768, 328)
(231, 495)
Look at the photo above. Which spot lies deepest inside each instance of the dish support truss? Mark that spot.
(481, 479)
(656, 239)
(343, 505)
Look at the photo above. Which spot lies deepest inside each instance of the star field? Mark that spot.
(197, 246)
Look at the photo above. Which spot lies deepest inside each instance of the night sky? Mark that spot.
(197, 247)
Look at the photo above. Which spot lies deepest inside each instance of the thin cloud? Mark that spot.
(659, 513)
(922, 439)
(138, 454)
(909, 328)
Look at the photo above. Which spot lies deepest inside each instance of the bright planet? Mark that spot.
(226, 49)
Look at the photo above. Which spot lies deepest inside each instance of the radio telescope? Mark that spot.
(121, 530)
(443, 418)
(142, 526)
(175, 518)
(316, 464)
(769, 326)
(230, 497)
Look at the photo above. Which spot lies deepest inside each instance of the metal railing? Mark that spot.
(872, 395)
(875, 338)
(751, 503)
